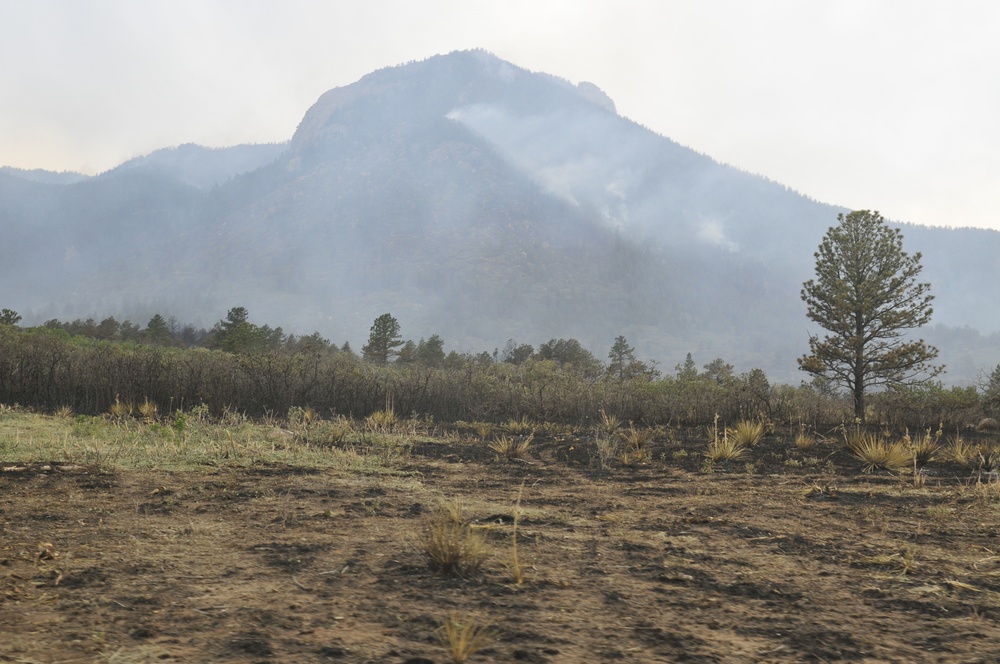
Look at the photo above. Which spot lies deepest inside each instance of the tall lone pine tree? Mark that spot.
(866, 296)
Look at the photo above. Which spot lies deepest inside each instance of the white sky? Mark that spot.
(891, 105)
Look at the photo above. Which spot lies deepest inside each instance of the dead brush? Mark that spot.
(877, 452)
(511, 449)
(904, 563)
(452, 545)
(463, 637)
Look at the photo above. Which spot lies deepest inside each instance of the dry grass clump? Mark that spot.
(483, 429)
(451, 545)
(510, 449)
(803, 439)
(877, 452)
(463, 637)
(731, 445)
(722, 449)
(332, 432)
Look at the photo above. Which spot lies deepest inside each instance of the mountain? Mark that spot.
(471, 199)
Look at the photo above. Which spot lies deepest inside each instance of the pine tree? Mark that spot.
(866, 296)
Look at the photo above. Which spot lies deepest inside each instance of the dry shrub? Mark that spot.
(452, 546)
(463, 637)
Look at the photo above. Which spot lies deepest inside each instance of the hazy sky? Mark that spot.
(891, 105)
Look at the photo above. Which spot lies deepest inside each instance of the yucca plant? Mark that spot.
(926, 448)
(508, 448)
(521, 426)
(635, 444)
(609, 423)
(961, 451)
(988, 459)
(746, 433)
(877, 452)
(724, 448)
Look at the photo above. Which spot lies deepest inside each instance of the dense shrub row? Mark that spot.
(47, 368)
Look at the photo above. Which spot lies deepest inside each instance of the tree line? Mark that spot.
(865, 295)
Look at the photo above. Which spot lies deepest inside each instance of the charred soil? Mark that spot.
(780, 556)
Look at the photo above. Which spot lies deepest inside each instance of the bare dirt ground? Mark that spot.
(661, 562)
